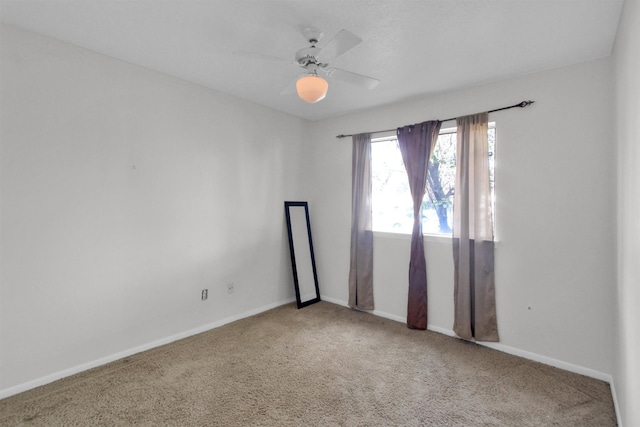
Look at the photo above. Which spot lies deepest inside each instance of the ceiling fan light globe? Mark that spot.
(312, 88)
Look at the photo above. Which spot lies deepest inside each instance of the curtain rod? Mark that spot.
(521, 105)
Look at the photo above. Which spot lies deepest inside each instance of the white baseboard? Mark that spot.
(374, 312)
(615, 401)
(498, 346)
(4, 393)
(334, 301)
(577, 369)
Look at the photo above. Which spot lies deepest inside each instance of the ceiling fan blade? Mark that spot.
(352, 78)
(339, 44)
(290, 89)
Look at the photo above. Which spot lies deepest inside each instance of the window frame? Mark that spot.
(428, 236)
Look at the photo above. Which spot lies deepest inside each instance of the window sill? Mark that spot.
(430, 238)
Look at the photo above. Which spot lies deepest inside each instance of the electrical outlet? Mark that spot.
(230, 287)
(205, 294)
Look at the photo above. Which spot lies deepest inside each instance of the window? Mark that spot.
(392, 209)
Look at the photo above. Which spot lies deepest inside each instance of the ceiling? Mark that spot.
(415, 47)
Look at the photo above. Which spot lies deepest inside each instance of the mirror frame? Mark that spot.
(287, 206)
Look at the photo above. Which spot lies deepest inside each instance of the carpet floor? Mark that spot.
(323, 365)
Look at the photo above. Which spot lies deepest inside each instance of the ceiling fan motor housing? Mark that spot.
(308, 56)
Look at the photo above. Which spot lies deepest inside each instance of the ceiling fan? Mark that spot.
(316, 61)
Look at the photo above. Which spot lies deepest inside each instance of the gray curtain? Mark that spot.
(416, 144)
(473, 245)
(361, 270)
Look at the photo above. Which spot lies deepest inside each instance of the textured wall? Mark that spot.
(627, 78)
(124, 194)
(555, 189)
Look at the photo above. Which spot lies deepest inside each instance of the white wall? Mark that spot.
(555, 184)
(124, 193)
(627, 77)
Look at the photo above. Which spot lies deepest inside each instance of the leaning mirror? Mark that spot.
(305, 278)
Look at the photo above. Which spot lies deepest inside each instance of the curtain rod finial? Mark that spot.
(526, 103)
(341, 136)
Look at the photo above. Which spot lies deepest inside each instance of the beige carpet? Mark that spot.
(324, 365)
